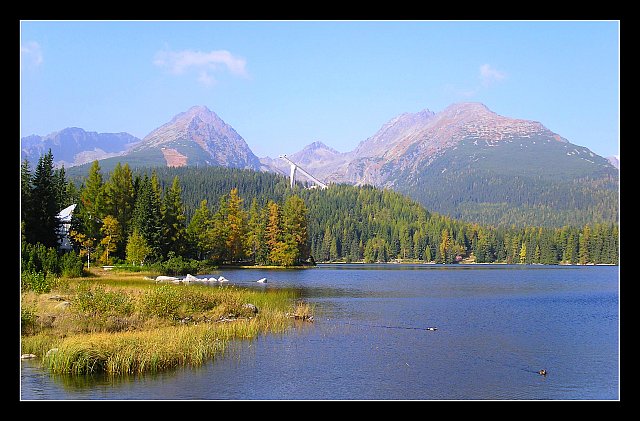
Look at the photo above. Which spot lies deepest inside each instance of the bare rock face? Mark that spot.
(410, 142)
(199, 137)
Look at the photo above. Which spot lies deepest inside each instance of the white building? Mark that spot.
(65, 224)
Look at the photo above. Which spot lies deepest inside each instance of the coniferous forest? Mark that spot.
(185, 216)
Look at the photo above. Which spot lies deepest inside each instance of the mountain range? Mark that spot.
(74, 146)
(465, 161)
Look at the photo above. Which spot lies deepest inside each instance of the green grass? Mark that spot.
(120, 323)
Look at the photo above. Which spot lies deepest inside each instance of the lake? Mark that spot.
(497, 325)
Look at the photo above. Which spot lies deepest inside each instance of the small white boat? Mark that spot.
(262, 281)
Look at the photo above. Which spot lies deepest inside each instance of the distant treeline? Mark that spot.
(521, 200)
(341, 223)
(347, 223)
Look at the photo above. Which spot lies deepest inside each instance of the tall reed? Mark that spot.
(142, 327)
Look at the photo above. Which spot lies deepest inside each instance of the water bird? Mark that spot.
(262, 281)
(542, 372)
(222, 279)
(432, 328)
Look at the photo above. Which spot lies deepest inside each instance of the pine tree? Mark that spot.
(91, 209)
(523, 253)
(198, 231)
(173, 219)
(236, 222)
(294, 224)
(220, 232)
(427, 254)
(60, 185)
(255, 244)
(281, 252)
(584, 255)
(327, 240)
(137, 248)
(44, 224)
(111, 232)
(26, 205)
(119, 202)
(444, 255)
(147, 216)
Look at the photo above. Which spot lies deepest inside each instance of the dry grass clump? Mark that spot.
(131, 327)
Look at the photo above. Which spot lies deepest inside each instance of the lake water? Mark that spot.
(497, 325)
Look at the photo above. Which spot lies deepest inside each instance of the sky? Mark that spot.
(285, 84)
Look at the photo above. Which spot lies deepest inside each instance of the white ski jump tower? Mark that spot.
(295, 167)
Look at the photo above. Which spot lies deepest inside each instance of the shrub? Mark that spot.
(38, 258)
(163, 301)
(177, 265)
(196, 300)
(71, 265)
(97, 301)
(37, 281)
(28, 319)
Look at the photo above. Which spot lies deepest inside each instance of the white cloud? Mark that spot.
(489, 75)
(204, 63)
(30, 53)
(206, 79)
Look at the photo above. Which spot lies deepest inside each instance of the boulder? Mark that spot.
(62, 305)
(251, 307)
(190, 278)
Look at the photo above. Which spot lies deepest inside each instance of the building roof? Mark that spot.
(65, 214)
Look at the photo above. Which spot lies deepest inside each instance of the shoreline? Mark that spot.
(467, 263)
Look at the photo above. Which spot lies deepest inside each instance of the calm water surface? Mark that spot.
(497, 326)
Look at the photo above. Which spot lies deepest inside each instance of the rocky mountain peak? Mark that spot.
(391, 132)
(318, 146)
(73, 146)
(199, 135)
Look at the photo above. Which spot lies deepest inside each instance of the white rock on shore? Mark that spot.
(165, 279)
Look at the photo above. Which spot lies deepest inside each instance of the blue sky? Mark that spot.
(285, 84)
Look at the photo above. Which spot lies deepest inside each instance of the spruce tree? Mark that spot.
(44, 206)
(26, 205)
(584, 254)
(148, 216)
(174, 220)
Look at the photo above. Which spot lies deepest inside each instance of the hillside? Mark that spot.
(471, 163)
(351, 223)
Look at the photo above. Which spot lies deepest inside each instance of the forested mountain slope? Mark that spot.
(350, 223)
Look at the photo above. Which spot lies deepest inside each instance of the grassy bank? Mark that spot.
(121, 323)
